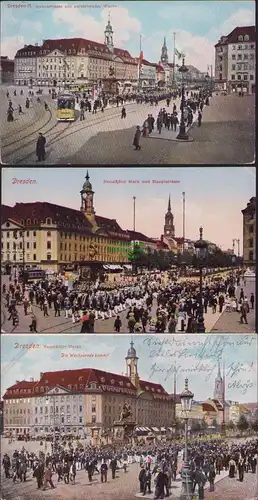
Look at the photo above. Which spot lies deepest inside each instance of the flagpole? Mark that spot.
(174, 59)
(139, 66)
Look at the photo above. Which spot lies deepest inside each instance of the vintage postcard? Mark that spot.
(119, 250)
(119, 417)
(128, 83)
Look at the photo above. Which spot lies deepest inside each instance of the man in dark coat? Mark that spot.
(40, 147)
(136, 140)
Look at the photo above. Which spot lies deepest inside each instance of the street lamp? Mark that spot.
(22, 231)
(201, 248)
(182, 135)
(186, 398)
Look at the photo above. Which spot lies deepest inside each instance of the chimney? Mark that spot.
(31, 379)
(43, 41)
(41, 375)
(17, 381)
(36, 44)
(25, 46)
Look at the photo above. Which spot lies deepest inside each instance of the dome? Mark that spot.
(131, 353)
(87, 185)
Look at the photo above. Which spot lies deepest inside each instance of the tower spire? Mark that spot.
(169, 204)
(164, 52)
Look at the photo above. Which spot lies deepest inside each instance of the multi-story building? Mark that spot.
(148, 74)
(77, 61)
(235, 60)
(78, 400)
(6, 70)
(50, 236)
(249, 234)
(25, 65)
(19, 407)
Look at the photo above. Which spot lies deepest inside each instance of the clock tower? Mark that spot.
(87, 195)
(218, 390)
(169, 228)
(132, 366)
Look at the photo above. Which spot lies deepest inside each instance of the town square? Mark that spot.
(86, 84)
(119, 417)
(104, 255)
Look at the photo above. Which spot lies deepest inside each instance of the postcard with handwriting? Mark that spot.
(117, 417)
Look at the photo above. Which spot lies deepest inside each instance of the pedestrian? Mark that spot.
(241, 467)
(48, 478)
(252, 300)
(117, 324)
(103, 472)
(123, 112)
(82, 116)
(136, 140)
(40, 147)
(45, 307)
(199, 118)
(211, 477)
(244, 310)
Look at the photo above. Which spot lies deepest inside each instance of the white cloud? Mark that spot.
(242, 17)
(85, 26)
(11, 44)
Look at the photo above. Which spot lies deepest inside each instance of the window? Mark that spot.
(239, 57)
(93, 419)
(93, 408)
(239, 77)
(251, 255)
(233, 67)
(240, 38)
(251, 243)
(48, 256)
(246, 38)
(245, 77)
(251, 77)
(49, 245)
(34, 257)
(245, 56)
(234, 57)
(48, 221)
(34, 232)
(34, 245)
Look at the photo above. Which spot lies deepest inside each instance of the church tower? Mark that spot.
(218, 391)
(169, 228)
(109, 35)
(164, 52)
(132, 366)
(87, 195)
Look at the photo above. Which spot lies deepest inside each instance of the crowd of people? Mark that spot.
(159, 463)
(153, 302)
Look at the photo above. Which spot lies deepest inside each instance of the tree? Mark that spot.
(214, 423)
(138, 257)
(242, 423)
(255, 425)
(231, 425)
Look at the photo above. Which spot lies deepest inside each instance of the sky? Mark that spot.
(214, 196)
(193, 356)
(198, 25)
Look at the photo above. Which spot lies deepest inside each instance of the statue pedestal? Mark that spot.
(95, 439)
(123, 431)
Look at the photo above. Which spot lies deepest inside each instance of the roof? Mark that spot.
(135, 235)
(238, 31)
(35, 49)
(159, 68)
(250, 207)
(153, 388)
(76, 45)
(22, 389)
(78, 380)
(109, 224)
(35, 213)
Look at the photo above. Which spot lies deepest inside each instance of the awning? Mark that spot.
(163, 429)
(128, 266)
(155, 429)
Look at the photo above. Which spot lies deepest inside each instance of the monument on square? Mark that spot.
(123, 429)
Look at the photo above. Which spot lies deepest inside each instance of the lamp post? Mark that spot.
(201, 248)
(49, 399)
(182, 135)
(186, 398)
(23, 256)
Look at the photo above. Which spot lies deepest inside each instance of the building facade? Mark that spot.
(249, 234)
(25, 65)
(6, 71)
(75, 401)
(76, 61)
(235, 61)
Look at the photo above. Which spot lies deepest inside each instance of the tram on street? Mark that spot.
(31, 275)
(65, 107)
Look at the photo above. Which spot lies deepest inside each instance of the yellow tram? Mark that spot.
(65, 107)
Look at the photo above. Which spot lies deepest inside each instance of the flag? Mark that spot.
(177, 53)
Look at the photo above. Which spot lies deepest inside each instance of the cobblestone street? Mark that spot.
(227, 136)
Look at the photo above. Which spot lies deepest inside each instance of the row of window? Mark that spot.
(244, 67)
(15, 234)
(245, 78)
(62, 409)
(19, 246)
